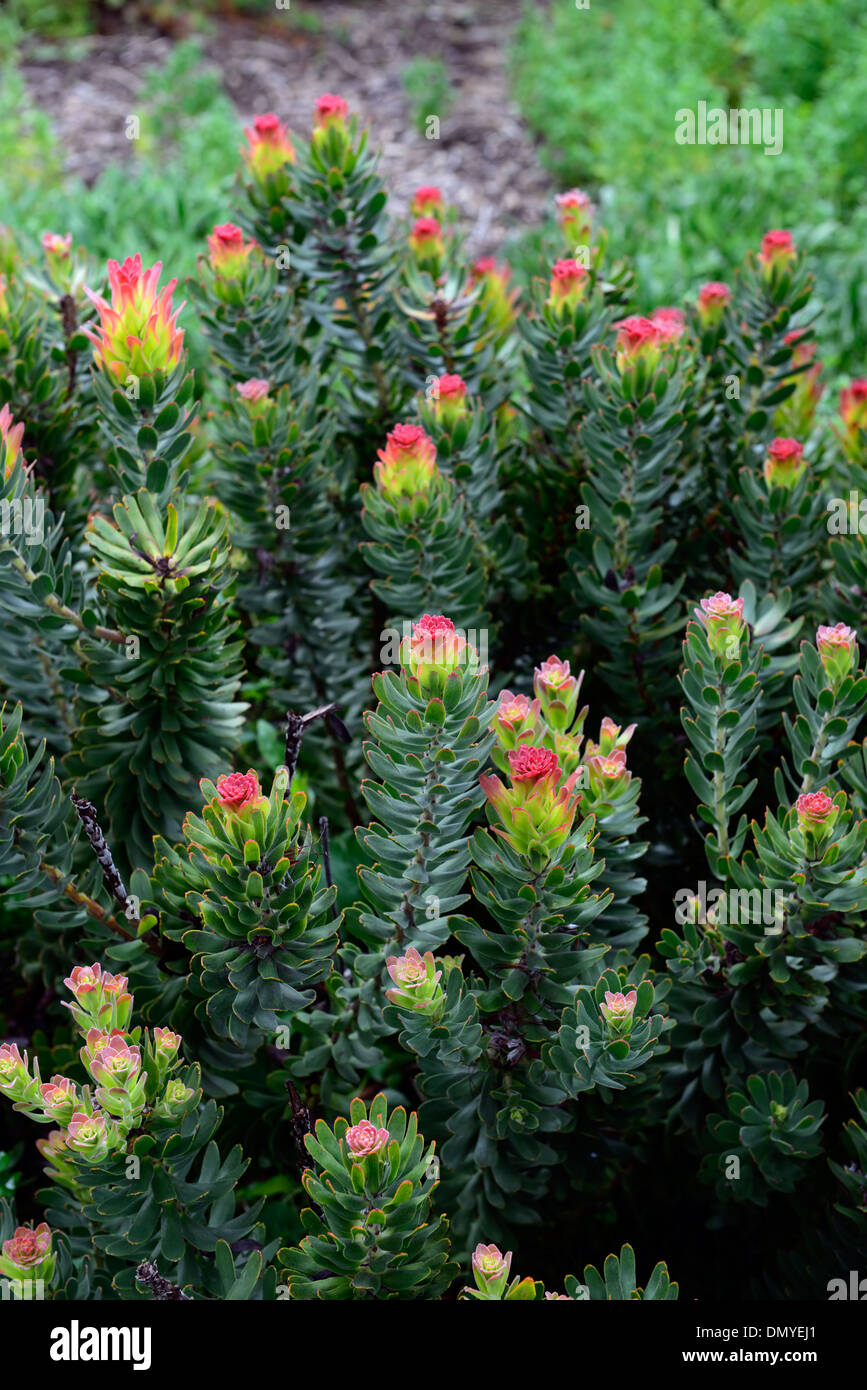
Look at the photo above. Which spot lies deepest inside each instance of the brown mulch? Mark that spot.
(484, 160)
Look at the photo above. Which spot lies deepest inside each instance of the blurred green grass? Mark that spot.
(600, 87)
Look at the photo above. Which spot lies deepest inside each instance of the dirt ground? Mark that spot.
(484, 160)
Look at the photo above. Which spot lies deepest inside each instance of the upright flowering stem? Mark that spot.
(721, 684)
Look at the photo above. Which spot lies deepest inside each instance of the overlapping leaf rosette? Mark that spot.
(372, 1232)
(762, 1145)
(166, 583)
(247, 877)
(421, 540)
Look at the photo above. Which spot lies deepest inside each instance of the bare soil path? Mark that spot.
(484, 160)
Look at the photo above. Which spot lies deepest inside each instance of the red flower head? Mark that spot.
(407, 465)
(778, 249)
(575, 215)
(669, 324)
(536, 816)
(427, 202)
(713, 299)
(240, 791)
(137, 332)
(449, 394)
(269, 148)
(329, 111)
(427, 245)
(638, 340)
(228, 252)
(569, 281)
(785, 463)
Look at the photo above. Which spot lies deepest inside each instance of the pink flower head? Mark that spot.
(435, 649)
(557, 691)
(364, 1138)
(569, 281)
(28, 1252)
(619, 1010)
(11, 436)
(407, 465)
(254, 389)
(254, 394)
(240, 791)
(530, 764)
(59, 1098)
(269, 148)
(116, 1062)
(713, 299)
(669, 324)
(723, 617)
(427, 201)
(575, 212)
(490, 1262)
(85, 982)
(831, 639)
(410, 970)
(491, 1271)
(607, 774)
(815, 808)
(57, 248)
(416, 980)
(838, 652)
(86, 1135)
(784, 463)
(516, 718)
(166, 1041)
(778, 249)
(14, 1072)
(137, 332)
(638, 340)
(816, 814)
(228, 252)
(329, 111)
